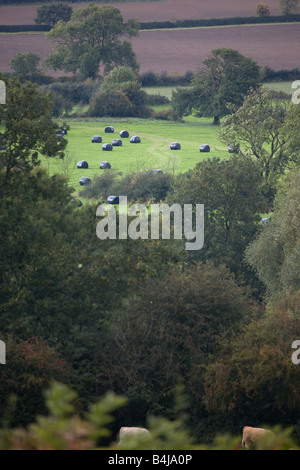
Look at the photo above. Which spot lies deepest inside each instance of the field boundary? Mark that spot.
(176, 24)
(233, 21)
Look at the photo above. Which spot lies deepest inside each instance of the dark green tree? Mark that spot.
(93, 38)
(166, 334)
(120, 95)
(257, 128)
(291, 128)
(231, 193)
(288, 7)
(28, 128)
(33, 365)
(225, 77)
(262, 9)
(51, 14)
(26, 64)
(252, 378)
(275, 253)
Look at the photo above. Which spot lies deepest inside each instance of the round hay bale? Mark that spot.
(124, 134)
(97, 139)
(233, 149)
(84, 180)
(82, 164)
(175, 146)
(109, 129)
(113, 199)
(135, 139)
(107, 147)
(117, 142)
(204, 148)
(104, 165)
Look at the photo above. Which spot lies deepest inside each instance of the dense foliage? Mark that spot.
(92, 38)
(140, 317)
(223, 80)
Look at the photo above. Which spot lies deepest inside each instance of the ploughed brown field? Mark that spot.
(157, 10)
(176, 50)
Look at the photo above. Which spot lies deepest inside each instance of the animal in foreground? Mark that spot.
(252, 435)
(132, 431)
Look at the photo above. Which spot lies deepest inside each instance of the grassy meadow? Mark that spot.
(152, 152)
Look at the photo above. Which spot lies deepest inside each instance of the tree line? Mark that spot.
(140, 317)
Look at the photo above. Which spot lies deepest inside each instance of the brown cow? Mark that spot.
(252, 435)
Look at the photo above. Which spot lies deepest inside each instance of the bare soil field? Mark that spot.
(182, 50)
(178, 50)
(153, 11)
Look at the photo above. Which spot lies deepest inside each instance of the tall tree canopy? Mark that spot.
(92, 38)
(275, 253)
(259, 128)
(288, 7)
(51, 14)
(226, 76)
(28, 127)
(231, 193)
(26, 64)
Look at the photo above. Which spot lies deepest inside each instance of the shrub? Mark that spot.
(149, 79)
(141, 185)
(288, 7)
(75, 92)
(102, 186)
(114, 103)
(262, 9)
(118, 75)
(51, 14)
(145, 186)
(26, 64)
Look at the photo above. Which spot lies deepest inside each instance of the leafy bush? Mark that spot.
(75, 92)
(120, 94)
(142, 186)
(157, 100)
(64, 429)
(26, 64)
(165, 79)
(262, 9)
(51, 14)
(271, 75)
(102, 186)
(114, 103)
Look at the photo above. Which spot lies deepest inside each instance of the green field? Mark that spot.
(167, 90)
(153, 151)
(281, 86)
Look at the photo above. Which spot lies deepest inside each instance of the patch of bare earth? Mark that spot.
(181, 50)
(177, 51)
(163, 10)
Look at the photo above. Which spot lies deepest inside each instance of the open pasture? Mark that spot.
(153, 152)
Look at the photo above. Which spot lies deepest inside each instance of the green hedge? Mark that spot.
(238, 20)
(19, 2)
(23, 28)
